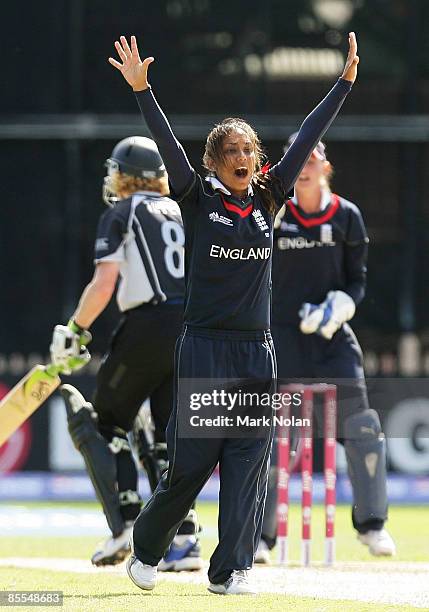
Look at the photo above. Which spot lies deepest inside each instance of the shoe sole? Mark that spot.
(219, 589)
(187, 564)
(382, 553)
(112, 560)
(148, 587)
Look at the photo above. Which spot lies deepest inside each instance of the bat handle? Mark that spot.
(52, 370)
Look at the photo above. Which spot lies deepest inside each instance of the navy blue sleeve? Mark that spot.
(180, 171)
(310, 132)
(355, 262)
(356, 254)
(111, 235)
(356, 230)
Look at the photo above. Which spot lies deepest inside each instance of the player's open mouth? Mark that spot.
(241, 172)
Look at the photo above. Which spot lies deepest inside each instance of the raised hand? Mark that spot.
(350, 69)
(133, 69)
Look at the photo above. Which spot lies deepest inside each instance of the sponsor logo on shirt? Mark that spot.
(300, 243)
(101, 244)
(214, 216)
(260, 220)
(289, 227)
(225, 253)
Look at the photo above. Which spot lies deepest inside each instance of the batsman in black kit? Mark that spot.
(139, 242)
(228, 219)
(319, 277)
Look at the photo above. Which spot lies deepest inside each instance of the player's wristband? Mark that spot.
(76, 329)
(85, 336)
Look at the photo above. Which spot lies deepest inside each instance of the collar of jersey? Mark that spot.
(149, 193)
(322, 216)
(325, 199)
(218, 186)
(242, 207)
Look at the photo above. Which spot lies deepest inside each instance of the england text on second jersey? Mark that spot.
(144, 234)
(317, 253)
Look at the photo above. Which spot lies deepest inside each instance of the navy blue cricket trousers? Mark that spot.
(243, 462)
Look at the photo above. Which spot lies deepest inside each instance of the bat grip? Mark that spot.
(52, 370)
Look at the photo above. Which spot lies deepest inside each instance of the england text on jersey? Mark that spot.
(226, 253)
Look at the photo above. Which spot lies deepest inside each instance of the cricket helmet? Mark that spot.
(136, 156)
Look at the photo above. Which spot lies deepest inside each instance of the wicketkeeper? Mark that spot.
(319, 277)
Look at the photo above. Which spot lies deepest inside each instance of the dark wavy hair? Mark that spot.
(262, 182)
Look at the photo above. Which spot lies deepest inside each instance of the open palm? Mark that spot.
(132, 68)
(352, 61)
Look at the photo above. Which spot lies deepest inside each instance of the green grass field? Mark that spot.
(114, 592)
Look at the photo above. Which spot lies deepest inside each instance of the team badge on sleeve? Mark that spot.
(101, 244)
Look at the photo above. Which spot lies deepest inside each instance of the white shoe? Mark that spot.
(237, 584)
(114, 550)
(262, 554)
(379, 542)
(143, 575)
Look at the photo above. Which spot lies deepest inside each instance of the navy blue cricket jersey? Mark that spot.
(228, 244)
(317, 253)
(228, 251)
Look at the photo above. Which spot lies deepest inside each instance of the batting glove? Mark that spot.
(325, 319)
(85, 336)
(68, 347)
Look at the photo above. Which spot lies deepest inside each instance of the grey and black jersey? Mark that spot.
(144, 234)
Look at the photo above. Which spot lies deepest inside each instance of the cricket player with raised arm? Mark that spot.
(228, 218)
(139, 243)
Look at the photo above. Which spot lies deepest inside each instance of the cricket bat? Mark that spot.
(25, 397)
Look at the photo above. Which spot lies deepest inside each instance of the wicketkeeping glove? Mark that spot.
(327, 318)
(68, 347)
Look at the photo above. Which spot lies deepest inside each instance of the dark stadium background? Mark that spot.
(62, 107)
